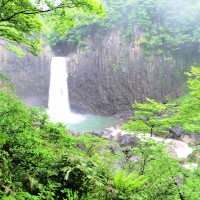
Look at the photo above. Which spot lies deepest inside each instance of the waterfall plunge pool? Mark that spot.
(91, 123)
(85, 123)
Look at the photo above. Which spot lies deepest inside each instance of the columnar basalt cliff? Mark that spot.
(29, 74)
(110, 73)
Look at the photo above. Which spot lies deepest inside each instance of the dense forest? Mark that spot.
(167, 26)
(40, 159)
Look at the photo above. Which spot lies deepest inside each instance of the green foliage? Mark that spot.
(19, 27)
(192, 185)
(137, 125)
(153, 163)
(188, 115)
(127, 184)
(40, 160)
(151, 116)
(164, 28)
(20, 22)
(13, 113)
(167, 25)
(5, 84)
(161, 117)
(73, 14)
(158, 169)
(116, 11)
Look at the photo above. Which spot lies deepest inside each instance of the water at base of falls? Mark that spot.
(71, 118)
(92, 122)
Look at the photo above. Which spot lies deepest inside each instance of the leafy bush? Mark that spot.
(41, 160)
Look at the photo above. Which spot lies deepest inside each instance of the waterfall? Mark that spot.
(59, 109)
(58, 106)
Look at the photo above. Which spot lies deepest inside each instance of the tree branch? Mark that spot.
(37, 11)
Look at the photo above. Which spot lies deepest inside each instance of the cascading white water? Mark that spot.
(58, 91)
(59, 109)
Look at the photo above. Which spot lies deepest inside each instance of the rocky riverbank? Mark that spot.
(179, 145)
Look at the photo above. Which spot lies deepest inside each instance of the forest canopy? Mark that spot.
(166, 26)
(22, 22)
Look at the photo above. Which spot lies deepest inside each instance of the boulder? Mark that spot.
(191, 166)
(124, 115)
(127, 140)
(171, 151)
(97, 133)
(176, 132)
(107, 136)
(185, 138)
(178, 180)
(195, 136)
(116, 149)
(134, 158)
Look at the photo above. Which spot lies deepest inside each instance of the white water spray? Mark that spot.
(59, 109)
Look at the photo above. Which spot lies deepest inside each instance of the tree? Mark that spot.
(188, 115)
(21, 24)
(168, 27)
(151, 116)
(158, 169)
(159, 117)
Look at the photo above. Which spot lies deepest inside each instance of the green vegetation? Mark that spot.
(42, 160)
(21, 25)
(152, 116)
(163, 27)
(159, 117)
(188, 115)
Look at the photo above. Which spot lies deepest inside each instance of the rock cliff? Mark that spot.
(105, 76)
(29, 74)
(111, 72)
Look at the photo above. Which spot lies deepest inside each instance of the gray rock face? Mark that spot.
(127, 140)
(109, 74)
(195, 136)
(107, 136)
(29, 74)
(116, 149)
(97, 133)
(176, 132)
